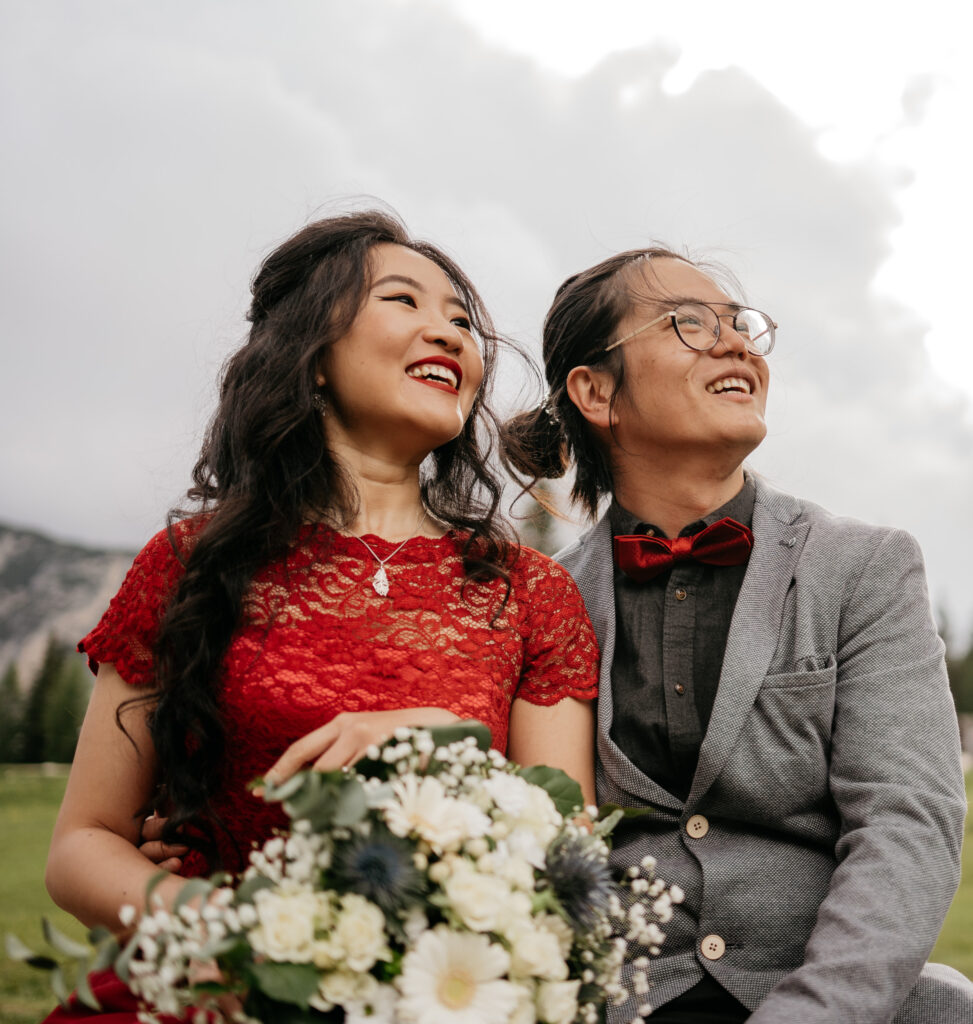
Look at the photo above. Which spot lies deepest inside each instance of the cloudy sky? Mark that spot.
(154, 152)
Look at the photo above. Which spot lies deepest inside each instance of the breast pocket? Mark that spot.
(786, 740)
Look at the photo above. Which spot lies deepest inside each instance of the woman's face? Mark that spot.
(402, 381)
(675, 399)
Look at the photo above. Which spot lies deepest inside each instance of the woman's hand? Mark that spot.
(166, 856)
(344, 740)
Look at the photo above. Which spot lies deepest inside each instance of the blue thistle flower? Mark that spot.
(379, 867)
(580, 878)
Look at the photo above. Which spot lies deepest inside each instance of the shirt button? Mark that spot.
(712, 947)
(680, 689)
(680, 594)
(697, 826)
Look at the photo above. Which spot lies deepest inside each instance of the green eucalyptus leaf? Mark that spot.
(443, 735)
(105, 954)
(558, 785)
(249, 887)
(16, 950)
(60, 987)
(287, 983)
(154, 882)
(193, 888)
(606, 824)
(275, 793)
(84, 988)
(352, 803)
(64, 945)
(121, 964)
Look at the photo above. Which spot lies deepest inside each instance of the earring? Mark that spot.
(320, 403)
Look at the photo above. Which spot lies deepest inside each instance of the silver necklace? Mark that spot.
(380, 581)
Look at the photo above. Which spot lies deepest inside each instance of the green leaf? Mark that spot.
(275, 793)
(558, 785)
(16, 950)
(249, 887)
(106, 952)
(443, 735)
(607, 810)
(84, 988)
(604, 826)
(287, 983)
(351, 805)
(121, 964)
(62, 943)
(193, 888)
(60, 987)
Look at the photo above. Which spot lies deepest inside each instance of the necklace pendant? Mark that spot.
(380, 582)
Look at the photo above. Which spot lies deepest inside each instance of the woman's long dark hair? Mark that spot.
(583, 320)
(265, 469)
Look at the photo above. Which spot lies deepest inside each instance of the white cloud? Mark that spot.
(159, 150)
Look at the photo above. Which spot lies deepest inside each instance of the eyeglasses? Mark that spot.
(698, 326)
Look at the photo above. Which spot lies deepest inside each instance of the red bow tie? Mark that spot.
(726, 542)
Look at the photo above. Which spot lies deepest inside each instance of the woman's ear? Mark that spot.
(591, 390)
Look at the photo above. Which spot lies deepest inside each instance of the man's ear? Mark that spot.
(591, 390)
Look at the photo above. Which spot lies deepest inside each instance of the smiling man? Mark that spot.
(772, 684)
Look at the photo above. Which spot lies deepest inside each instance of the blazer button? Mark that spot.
(697, 826)
(712, 947)
(681, 594)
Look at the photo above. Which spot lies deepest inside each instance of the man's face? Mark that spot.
(675, 400)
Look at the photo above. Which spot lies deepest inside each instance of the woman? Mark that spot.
(345, 573)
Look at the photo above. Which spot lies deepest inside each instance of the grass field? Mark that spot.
(29, 802)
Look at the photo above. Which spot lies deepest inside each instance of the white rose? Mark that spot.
(536, 953)
(557, 1001)
(285, 929)
(376, 1008)
(482, 901)
(335, 989)
(556, 924)
(525, 1012)
(360, 932)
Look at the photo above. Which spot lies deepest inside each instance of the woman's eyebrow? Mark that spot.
(413, 283)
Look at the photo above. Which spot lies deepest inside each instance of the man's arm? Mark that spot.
(896, 780)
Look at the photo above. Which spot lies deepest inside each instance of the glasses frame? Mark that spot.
(716, 337)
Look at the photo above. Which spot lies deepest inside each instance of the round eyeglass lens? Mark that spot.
(757, 328)
(697, 325)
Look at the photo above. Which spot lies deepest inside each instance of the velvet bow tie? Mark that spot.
(726, 542)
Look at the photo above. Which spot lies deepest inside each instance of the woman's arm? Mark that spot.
(561, 735)
(93, 866)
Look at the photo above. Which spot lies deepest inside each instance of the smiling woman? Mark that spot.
(343, 572)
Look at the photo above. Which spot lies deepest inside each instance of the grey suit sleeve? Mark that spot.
(897, 785)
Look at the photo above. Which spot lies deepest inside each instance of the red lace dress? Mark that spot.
(316, 639)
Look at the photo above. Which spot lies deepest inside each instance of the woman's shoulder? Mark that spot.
(535, 570)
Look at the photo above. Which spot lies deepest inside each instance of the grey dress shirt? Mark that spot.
(670, 639)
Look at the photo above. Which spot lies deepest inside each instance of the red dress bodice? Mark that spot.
(316, 639)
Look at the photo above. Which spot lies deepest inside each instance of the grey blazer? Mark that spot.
(819, 845)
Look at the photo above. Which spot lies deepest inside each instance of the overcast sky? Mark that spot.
(154, 152)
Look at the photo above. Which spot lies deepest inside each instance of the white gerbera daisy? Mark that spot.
(455, 978)
(424, 808)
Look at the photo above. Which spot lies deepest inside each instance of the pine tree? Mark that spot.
(11, 715)
(55, 706)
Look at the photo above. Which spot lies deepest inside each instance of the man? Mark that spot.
(780, 703)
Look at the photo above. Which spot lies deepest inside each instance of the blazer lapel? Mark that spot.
(590, 563)
(780, 531)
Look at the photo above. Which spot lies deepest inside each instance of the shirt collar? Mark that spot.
(739, 507)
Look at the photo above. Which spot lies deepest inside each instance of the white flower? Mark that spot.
(532, 818)
(336, 988)
(536, 953)
(525, 1012)
(483, 902)
(557, 1001)
(286, 925)
(127, 914)
(455, 978)
(556, 924)
(376, 1008)
(360, 932)
(423, 807)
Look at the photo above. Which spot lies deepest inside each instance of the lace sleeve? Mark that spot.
(126, 633)
(560, 646)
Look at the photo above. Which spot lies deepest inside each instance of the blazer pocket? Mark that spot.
(812, 672)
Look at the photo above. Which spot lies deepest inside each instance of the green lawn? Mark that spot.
(29, 802)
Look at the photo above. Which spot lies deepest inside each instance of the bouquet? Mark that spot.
(435, 883)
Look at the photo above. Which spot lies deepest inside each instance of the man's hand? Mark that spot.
(166, 856)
